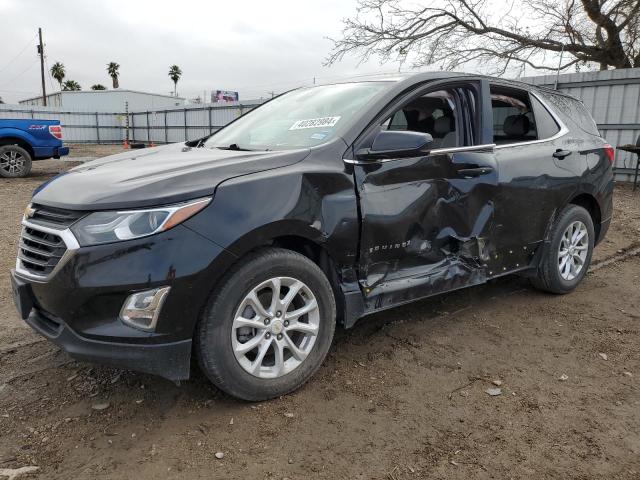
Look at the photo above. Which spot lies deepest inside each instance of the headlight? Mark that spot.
(107, 227)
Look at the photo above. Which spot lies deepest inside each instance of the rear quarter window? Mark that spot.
(572, 111)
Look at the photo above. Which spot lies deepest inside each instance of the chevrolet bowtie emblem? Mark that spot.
(29, 211)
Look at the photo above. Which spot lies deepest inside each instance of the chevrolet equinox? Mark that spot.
(323, 205)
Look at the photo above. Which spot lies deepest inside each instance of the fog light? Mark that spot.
(141, 310)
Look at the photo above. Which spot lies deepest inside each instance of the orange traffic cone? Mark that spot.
(125, 144)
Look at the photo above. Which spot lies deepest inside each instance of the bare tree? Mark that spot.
(500, 34)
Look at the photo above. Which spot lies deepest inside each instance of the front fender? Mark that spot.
(316, 202)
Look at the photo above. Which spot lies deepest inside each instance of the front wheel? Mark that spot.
(268, 326)
(567, 258)
(15, 161)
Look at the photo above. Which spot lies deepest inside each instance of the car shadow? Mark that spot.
(161, 395)
(446, 305)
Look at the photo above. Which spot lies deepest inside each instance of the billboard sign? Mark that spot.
(224, 96)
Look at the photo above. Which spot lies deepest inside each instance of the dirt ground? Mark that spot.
(400, 396)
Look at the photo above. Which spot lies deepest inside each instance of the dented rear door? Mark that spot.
(427, 223)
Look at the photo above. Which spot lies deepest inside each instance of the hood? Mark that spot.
(155, 176)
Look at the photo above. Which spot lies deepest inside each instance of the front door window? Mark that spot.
(433, 113)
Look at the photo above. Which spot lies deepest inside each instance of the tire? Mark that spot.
(553, 275)
(15, 161)
(221, 334)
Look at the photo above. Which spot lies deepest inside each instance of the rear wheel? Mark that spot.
(568, 256)
(268, 327)
(15, 161)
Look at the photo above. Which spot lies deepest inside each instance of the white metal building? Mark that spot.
(107, 100)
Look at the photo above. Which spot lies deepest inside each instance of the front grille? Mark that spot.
(39, 251)
(54, 217)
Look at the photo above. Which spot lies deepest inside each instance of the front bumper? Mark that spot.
(78, 305)
(168, 360)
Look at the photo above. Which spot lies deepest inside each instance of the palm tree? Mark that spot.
(174, 74)
(98, 86)
(112, 70)
(58, 72)
(71, 86)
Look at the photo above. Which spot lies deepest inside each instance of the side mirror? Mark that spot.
(397, 144)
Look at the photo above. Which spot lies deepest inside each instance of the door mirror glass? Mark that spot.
(397, 144)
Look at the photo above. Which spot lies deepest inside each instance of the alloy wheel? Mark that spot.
(12, 162)
(573, 250)
(275, 327)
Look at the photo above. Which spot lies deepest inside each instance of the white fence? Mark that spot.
(159, 126)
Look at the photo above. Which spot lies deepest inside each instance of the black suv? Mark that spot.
(321, 206)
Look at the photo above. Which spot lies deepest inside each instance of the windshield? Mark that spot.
(298, 119)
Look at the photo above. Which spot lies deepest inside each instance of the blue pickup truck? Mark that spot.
(25, 140)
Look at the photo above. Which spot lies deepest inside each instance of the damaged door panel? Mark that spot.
(427, 224)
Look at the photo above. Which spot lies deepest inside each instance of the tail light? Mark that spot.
(56, 131)
(609, 152)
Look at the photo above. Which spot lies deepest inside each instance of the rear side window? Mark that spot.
(572, 110)
(513, 118)
(545, 124)
(584, 118)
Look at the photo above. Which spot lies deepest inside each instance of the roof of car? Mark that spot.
(397, 77)
(438, 75)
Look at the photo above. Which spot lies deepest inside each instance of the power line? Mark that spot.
(18, 91)
(30, 44)
(21, 73)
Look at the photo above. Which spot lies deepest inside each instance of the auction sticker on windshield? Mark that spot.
(315, 123)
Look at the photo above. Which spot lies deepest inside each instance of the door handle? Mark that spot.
(561, 154)
(474, 172)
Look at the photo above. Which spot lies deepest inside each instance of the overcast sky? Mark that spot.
(250, 46)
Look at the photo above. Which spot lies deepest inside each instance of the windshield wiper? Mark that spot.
(236, 147)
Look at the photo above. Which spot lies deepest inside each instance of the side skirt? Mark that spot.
(455, 276)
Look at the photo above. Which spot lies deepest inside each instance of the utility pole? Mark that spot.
(41, 53)
(272, 93)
